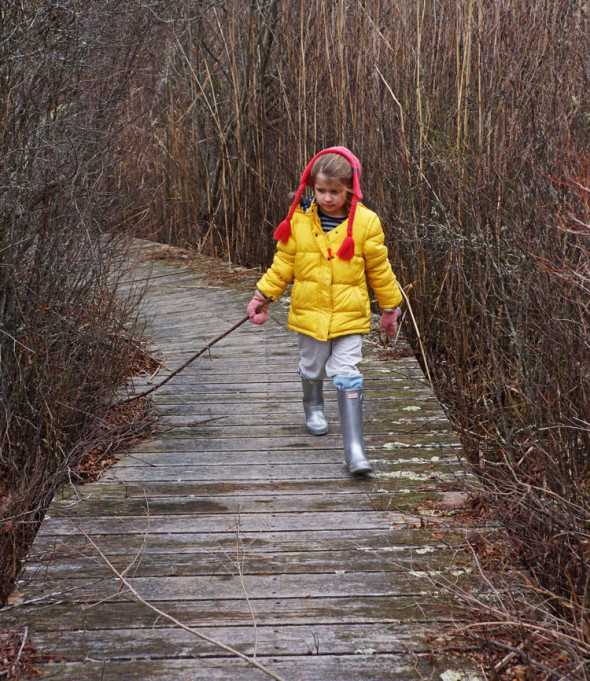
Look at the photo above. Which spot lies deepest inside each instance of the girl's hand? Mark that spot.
(257, 309)
(389, 321)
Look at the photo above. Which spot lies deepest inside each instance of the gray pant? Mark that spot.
(336, 357)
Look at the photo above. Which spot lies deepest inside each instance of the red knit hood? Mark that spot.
(283, 231)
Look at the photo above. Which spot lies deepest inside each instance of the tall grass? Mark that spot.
(471, 119)
(65, 334)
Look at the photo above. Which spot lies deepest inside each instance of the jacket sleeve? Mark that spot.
(378, 268)
(280, 273)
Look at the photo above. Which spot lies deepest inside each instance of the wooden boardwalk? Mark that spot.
(237, 522)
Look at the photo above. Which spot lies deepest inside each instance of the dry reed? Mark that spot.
(471, 119)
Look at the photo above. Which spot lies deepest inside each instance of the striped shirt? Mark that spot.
(328, 223)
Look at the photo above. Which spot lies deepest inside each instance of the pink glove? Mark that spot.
(258, 316)
(389, 321)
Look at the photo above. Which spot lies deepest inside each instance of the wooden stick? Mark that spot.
(417, 330)
(125, 582)
(20, 652)
(127, 400)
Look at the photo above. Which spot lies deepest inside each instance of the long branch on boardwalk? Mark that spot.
(121, 577)
(204, 349)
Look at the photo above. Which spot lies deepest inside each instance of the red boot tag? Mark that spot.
(352, 396)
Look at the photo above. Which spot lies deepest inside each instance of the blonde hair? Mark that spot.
(334, 167)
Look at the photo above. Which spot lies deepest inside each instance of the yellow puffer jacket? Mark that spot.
(329, 296)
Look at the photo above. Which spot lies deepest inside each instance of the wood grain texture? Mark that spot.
(234, 497)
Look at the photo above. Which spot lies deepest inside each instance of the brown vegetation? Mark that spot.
(18, 656)
(471, 119)
(65, 332)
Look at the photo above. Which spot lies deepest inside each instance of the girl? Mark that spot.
(330, 245)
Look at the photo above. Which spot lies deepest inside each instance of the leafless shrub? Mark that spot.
(65, 74)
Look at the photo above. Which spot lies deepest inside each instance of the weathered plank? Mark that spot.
(179, 439)
(363, 666)
(297, 464)
(299, 639)
(383, 542)
(230, 586)
(183, 505)
(71, 564)
(320, 471)
(238, 522)
(271, 612)
(234, 497)
(370, 488)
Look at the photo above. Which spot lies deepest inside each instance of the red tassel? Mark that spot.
(346, 251)
(283, 231)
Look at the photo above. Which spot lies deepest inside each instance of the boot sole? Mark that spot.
(361, 470)
(318, 432)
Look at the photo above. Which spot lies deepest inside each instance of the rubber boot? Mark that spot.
(313, 405)
(350, 406)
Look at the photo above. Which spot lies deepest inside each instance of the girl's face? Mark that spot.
(331, 197)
